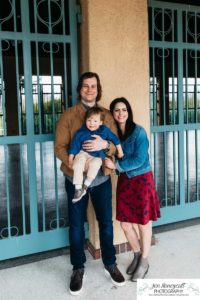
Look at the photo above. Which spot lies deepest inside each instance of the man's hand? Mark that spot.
(95, 145)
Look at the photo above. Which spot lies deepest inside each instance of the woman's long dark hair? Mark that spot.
(130, 124)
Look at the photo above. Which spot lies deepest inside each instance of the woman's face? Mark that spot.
(120, 113)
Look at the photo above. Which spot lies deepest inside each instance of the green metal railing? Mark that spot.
(174, 52)
(37, 39)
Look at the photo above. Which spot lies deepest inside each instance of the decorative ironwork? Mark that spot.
(163, 51)
(166, 202)
(30, 48)
(53, 223)
(175, 107)
(159, 14)
(192, 19)
(9, 16)
(6, 230)
(196, 54)
(8, 45)
(48, 23)
(50, 50)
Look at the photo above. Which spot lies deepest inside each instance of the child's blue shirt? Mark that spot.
(84, 134)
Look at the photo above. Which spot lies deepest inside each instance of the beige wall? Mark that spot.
(114, 43)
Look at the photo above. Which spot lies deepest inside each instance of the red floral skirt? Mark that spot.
(137, 199)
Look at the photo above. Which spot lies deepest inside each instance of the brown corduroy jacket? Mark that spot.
(70, 121)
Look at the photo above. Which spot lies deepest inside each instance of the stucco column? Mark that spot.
(114, 43)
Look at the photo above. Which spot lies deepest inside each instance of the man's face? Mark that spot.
(88, 91)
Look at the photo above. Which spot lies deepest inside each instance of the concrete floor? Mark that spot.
(176, 255)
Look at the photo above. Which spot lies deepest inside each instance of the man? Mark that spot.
(89, 91)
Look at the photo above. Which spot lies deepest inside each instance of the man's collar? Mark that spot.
(86, 106)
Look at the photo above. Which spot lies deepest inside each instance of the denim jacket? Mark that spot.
(136, 158)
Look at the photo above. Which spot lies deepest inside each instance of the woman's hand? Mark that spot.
(109, 163)
(95, 145)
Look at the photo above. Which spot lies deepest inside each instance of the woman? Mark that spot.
(137, 200)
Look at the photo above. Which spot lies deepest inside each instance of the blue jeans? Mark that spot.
(101, 197)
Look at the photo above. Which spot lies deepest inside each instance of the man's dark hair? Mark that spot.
(94, 111)
(87, 75)
(130, 124)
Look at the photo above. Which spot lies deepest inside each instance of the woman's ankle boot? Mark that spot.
(132, 267)
(141, 270)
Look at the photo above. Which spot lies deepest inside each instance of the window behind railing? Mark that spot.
(44, 101)
(191, 101)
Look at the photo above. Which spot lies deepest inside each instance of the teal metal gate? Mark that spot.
(174, 51)
(38, 77)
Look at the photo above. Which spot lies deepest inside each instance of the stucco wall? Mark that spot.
(114, 43)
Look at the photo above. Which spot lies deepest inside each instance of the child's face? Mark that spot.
(93, 122)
